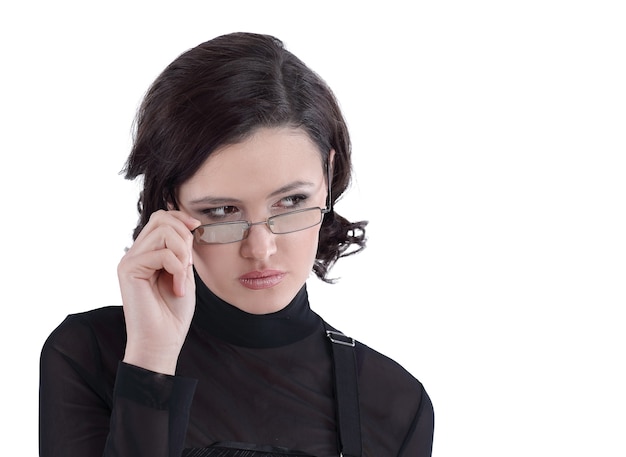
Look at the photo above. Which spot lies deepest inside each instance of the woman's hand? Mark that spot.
(158, 291)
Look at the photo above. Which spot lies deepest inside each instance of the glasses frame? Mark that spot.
(267, 221)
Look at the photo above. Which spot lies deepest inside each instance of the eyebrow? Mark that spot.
(215, 200)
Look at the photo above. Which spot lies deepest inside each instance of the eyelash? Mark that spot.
(291, 202)
(212, 213)
(295, 200)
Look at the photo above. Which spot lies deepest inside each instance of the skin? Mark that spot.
(273, 171)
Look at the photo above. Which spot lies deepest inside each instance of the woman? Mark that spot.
(243, 152)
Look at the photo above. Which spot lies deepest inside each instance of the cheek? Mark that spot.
(305, 247)
(215, 260)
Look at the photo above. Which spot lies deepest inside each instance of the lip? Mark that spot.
(266, 279)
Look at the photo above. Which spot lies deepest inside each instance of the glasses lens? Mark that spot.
(295, 221)
(231, 232)
(228, 232)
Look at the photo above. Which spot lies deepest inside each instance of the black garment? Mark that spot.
(264, 379)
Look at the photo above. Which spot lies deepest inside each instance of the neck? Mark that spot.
(227, 322)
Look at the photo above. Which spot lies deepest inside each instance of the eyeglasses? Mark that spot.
(293, 221)
(231, 232)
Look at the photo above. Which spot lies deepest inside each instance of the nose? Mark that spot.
(260, 243)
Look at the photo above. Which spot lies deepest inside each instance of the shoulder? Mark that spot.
(392, 400)
(384, 371)
(375, 368)
(105, 320)
(90, 335)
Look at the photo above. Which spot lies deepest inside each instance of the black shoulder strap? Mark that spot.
(346, 393)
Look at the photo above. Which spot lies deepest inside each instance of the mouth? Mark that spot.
(257, 280)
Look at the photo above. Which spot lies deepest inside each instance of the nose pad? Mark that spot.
(260, 242)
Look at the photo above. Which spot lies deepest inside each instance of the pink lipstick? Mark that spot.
(257, 280)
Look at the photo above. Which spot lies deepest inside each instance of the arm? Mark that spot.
(146, 413)
(83, 414)
(74, 404)
(419, 440)
(150, 413)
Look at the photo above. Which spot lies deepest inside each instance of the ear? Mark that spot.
(331, 165)
(329, 178)
(170, 206)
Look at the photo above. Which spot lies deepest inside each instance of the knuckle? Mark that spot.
(123, 265)
(188, 237)
(157, 215)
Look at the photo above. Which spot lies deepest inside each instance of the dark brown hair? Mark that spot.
(219, 93)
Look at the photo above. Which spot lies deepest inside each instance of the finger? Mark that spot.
(166, 230)
(182, 283)
(145, 266)
(180, 221)
(164, 237)
(190, 222)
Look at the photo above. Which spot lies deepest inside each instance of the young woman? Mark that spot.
(243, 152)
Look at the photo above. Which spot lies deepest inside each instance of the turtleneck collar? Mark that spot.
(294, 322)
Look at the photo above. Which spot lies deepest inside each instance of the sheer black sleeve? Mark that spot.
(397, 415)
(419, 440)
(150, 414)
(91, 406)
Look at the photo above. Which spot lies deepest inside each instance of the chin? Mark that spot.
(264, 301)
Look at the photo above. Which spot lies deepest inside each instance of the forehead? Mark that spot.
(268, 159)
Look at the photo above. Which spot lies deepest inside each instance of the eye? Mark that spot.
(292, 202)
(222, 213)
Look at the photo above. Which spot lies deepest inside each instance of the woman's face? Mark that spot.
(274, 171)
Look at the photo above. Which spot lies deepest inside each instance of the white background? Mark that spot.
(489, 148)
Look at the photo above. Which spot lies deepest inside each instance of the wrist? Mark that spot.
(159, 361)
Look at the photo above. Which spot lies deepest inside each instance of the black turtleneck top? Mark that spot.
(262, 379)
